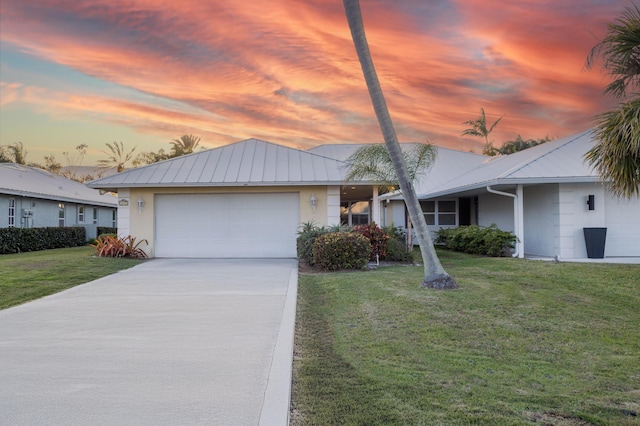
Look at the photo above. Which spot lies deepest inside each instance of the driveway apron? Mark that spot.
(170, 341)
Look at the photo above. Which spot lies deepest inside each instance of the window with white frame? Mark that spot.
(80, 214)
(95, 215)
(61, 214)
(440, 213)
(12, 212)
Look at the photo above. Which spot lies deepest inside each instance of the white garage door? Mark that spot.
(623, 227)
(226, 225)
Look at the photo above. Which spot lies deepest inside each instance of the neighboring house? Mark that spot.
(546, 195)
(34, 198)
(248, 199)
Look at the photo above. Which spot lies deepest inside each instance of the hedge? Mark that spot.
(19, 240)
(489, 241)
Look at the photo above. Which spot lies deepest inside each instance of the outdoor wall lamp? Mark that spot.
(591, 202)
(140, 204)
(314, 202)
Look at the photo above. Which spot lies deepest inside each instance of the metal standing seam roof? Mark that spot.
(24, 181)
(557, 161)
(251, 162)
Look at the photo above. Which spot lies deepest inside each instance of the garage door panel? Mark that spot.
(623, 227)
(226, 225)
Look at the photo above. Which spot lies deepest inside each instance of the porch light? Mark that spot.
(140, 204)
(314, 202)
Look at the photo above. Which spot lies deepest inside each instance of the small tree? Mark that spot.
(118, 158)
(479, 128)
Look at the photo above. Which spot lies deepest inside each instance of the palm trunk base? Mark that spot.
(440, 282)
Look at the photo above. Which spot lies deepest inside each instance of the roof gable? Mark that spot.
(249, 162)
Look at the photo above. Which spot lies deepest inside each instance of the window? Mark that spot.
(95, 215)
(114, 218)
(12, 212)
(439, 213)
(61, 214)
(80, 214)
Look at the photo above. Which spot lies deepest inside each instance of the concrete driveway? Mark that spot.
(171, 341)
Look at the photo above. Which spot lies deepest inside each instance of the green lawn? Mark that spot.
(28, 276)
(522, 342)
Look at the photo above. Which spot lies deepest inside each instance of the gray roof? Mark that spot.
(250, 162)
(557, 161)
(24, 181)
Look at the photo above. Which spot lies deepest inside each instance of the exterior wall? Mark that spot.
(573, 215)
(45, 214)
(498, 209)
(622, 218)
(541, 204)
(141, 224)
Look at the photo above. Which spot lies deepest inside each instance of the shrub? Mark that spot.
(489, 241)
(19, 240)
(307, 234)
(377, 239)
(113, 246)
(106, 230)
(396, 246)
(341, 250)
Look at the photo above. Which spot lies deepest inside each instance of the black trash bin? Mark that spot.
(595, 239)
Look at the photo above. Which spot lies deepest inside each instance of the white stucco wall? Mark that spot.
(540, 219)
(573, 215)
(496, 209)
(622, 218)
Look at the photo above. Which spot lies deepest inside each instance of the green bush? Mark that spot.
(341, 250)
(396, 246)
(489, 241)
(19, 240)
(307, 234)
(102, 230)
(377, 239)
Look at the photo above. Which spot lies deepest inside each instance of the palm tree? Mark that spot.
(435, 275)
(14, 153)
(373, 163)
(479, 128)
(616, 155)
(118, 157)
(185, 145)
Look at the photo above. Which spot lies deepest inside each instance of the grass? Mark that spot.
(522, 342)
(29, 276)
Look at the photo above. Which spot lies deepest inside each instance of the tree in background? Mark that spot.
(118, 158)
(479, 128)
(435, 275)
(14, 153)
(185, 145)
(520, 144)
(616, 155)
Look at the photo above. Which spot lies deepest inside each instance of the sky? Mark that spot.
(145, 72)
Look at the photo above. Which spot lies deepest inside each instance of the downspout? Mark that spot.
(517, 222)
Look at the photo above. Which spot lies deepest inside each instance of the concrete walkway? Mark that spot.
(171, 341)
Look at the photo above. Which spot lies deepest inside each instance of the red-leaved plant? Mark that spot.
(111, 246)
(377, 238)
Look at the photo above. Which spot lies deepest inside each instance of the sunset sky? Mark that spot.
(145, 72)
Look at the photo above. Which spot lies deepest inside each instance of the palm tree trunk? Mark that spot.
(435, 275)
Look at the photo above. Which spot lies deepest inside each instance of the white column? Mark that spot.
(520, 219)
(375, 207)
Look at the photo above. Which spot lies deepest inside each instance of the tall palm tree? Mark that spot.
(479, 128)
(435, 275)
(616, 155)
(373, 163)
(185, 145)
(118, 158)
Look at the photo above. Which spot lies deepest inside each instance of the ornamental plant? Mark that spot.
(114, 246)
(377, 239)
(341, 250)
